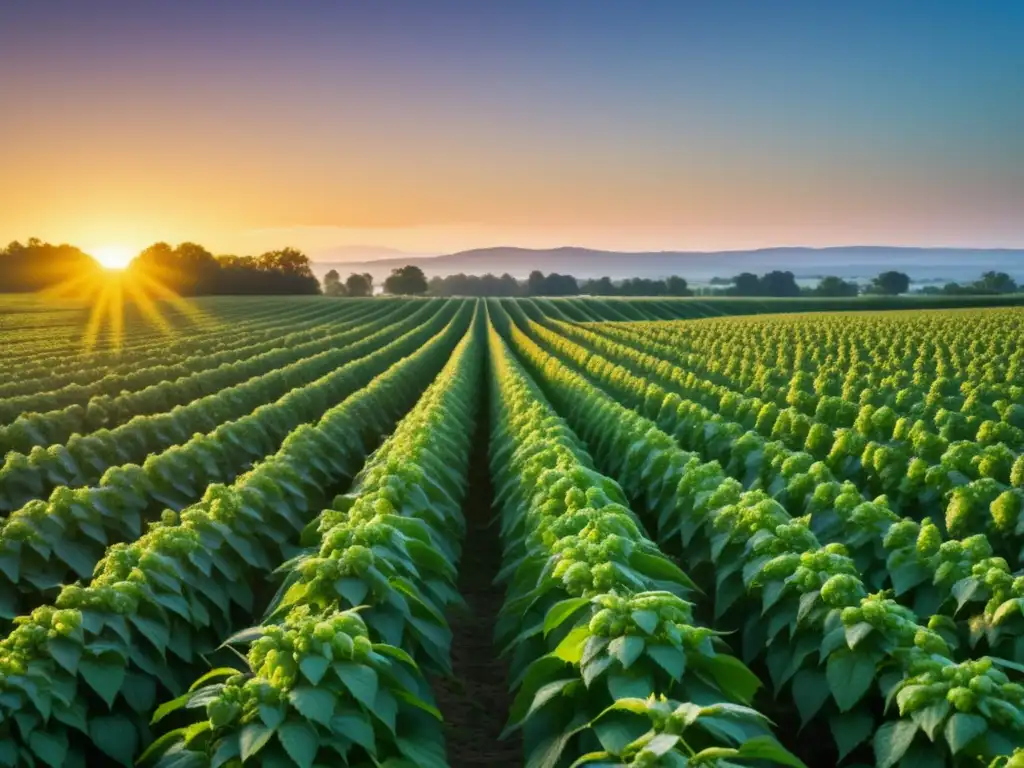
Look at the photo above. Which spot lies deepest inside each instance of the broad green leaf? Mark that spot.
(419, 703)
(171, 706)
(932, 716)
(313, 703)
(850, 729)
(65, 652)
(352, 589)
(767, 748)
(227, 749)
(966, 590)
(104, 676)
(548, 692)
(617, 730)
(422, 753)
(669, 658)
(646, 620)
(115, 735)
(571, 647)
(212, 675)
(314, 668)
(139, 691)
(892, 740)
(807, 602)
(810, 692)
(850, 674)
(733, 677)
(561, 611)
(396, 653)
(593, 647)
(961, 729)
(627, 685)
(245, 636)
(162, 744)
(51, 748)
(626, 649)
(195, 730)
(771, 594)
(857, 633)
(253, 738)
(357, 727)
(594, 669)
(300, 741)
(156, 632)
(593, 757)
(272, 716)
(660, 568)
(360, 680)
(710, 755)
(663, 743)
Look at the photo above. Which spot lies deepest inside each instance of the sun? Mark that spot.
(113, 256)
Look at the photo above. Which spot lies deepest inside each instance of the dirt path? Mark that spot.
(475, 703)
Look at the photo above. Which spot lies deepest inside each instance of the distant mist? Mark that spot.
(850, 262)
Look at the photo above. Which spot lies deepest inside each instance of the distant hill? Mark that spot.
(922, 264)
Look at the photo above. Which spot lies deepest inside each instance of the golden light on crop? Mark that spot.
(122, 300)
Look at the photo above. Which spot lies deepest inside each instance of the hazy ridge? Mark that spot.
(922, 264)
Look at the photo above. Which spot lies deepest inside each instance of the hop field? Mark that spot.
(577, 532)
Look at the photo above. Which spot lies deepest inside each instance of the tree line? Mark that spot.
(403, 281)
(35, 266)
(191, 270)
(410, 281)
(188, 269)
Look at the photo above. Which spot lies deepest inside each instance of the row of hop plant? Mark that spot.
(220, 373)
(48, 353)
(969, 580)
(48, 543)
(336, 671)
(49, 335)
(922, 419)
(991, 503)
(608, 664)
(966, 478)
(79, 679)
(54, 379)
(948, 358)
(843, 655)
(84, 458)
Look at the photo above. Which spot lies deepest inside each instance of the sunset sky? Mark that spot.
(437, 126)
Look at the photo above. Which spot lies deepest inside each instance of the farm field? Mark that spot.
(543, 532)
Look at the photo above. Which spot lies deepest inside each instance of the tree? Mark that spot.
(535, 283)
(406, 281)
(36, 265)
(890, 283)
(603, 286)
(746, 284)
(332, 284)
(560, 285)
(677, 286)
(836, 286)
(996, 282)
(287, 261)
(359, 285)
(189, 269)
(778, 283)
(509, 285)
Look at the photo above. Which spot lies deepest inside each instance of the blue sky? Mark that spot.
(442, 125)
